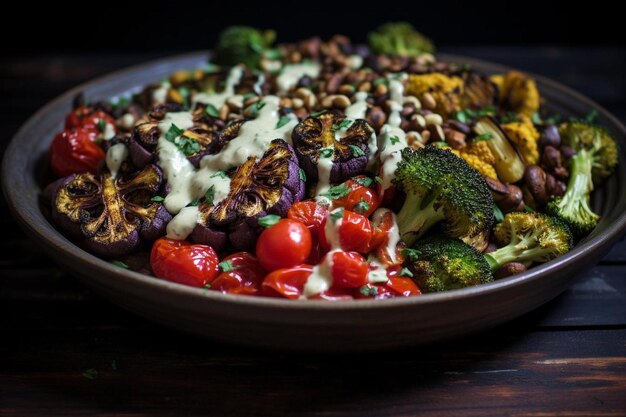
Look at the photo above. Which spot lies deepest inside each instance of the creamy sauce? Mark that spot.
(321, 279)
(358, 109)
(291, 74)
(177, 169)
(218, 99)
(394, 233)
(258, 84)
(109, 131)
(378, 274)
(183, 223)
(392, 138)
(115, 156)
(355, 61)
(324, 167)
(127, 121)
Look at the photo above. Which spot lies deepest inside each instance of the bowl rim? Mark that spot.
(54, 240)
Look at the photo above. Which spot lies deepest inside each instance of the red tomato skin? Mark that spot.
(287, 282)
(309, 213)
(86, 117)
(182, 262)
(349, 270)
(285, 244)
(73, 152)
(366, 195)
(244, 279)
(355, 233)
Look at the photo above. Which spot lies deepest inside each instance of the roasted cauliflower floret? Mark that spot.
(525, 136)
(483, 167)
(517, 92)
(446, 90)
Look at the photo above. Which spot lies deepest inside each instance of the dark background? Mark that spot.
(183, 25)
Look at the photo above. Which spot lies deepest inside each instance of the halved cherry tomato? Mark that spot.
(283, 245)
(362, 201)
(287, 282)
(73, 151)
(396, 286)
(179, 261)
(244, 275)
(353, 184)
(403, 286)
(309, 213)
(355, 233)
(388, 196)
(382, 226)
(87, 117)
(349, 270)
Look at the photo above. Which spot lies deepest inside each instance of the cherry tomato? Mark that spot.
(180, 261)
(355, 233)
(403, 286)
(382, 227)
(283, 245)
(309, 213)
(287, 282)
(73, 151)
(244, 275)
(87, 117)
(362, 201)
(353, 184)
(349, 270)
(388, 196)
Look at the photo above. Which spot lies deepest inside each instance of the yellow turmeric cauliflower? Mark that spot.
(482, 151)
(524, 135)
(517, 92)
(445, 90)
(474, 155)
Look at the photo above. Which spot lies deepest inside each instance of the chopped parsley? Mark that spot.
(101, 125)
(528, 209)
(209, 196)
(337, 191)
(212, 111)
(326, 153)
(467, 115)
(317, 113)
(367, 291)
(345, 123)
(158, 199)
(219, 174)
(282, 121)
(412, 254)
(186, 95)
(227, 266)
(173, 132)
(337, 214)
(484, 136)
(302, 174)
(269, 220)
(497, 213)
(195, 202)
(356, 151)
(512, 117)
(378, 179)
(248, 95)
(256, 107)
(406, 272)
(90, 374)
(364, 181)
(120, 264)
(186, 145)
(361, 207)
(440, 144)
(394, 140)
(206, 287)
(381, 80)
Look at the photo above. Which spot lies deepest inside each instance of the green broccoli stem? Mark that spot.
(575, 203)
(415, 220)
(514, 252)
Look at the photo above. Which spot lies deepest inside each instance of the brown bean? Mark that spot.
(508, 269)
(376, 117)
(455, 137)
(347, 89)
(535, 181)
(365, 86)
(461, 127)
(512, 199)
(551, 157)
(333, 84)
(381, 89)
(428, 101)
(497, 188)
(437, 134)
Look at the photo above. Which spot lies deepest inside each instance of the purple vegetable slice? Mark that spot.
(112, 216)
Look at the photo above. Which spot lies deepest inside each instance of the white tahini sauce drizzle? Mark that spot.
(324, 167)
(291, 74)
(187, 183)
(160, 94)
(183, 223)
(358, 109)
(392, 138)
(378, 271)
(109, 131)
(115, 156)
(218, 99)
(177, 169)
(321, 279)
(258, 84)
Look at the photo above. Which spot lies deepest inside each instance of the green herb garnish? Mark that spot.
(120, 264)
(158, 199)
(484, 136)
(317, 113)
(219, 174)
(337, 214)
(497, 213)
(269, 220)
(209, 196)
(405, 272)
(302, 174)
(282, 121)
(364, 181)
(412, 254)
(212, 111)
(227, 266)
(356, 151)
(345, 123)
(394, 140)
(173, 132)
(337, 191)
(326, 152)
(101, 125)
(368, 291)
(361, 207)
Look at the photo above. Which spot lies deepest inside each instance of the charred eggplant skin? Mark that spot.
(269, 185)
(112, 216)
(348, 139)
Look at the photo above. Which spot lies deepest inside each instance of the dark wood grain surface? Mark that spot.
(567, 358)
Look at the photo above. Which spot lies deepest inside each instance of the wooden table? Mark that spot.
(64, 351)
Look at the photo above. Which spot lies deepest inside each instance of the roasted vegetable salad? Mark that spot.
(328, 170)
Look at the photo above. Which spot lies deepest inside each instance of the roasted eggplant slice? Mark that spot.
(113, 216)
(269, 185)
(334, 133)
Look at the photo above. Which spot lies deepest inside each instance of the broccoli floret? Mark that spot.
(529, 237)
(441, 187)
(595, 159)
(441, 263)
(242, 45)
(399, 39)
